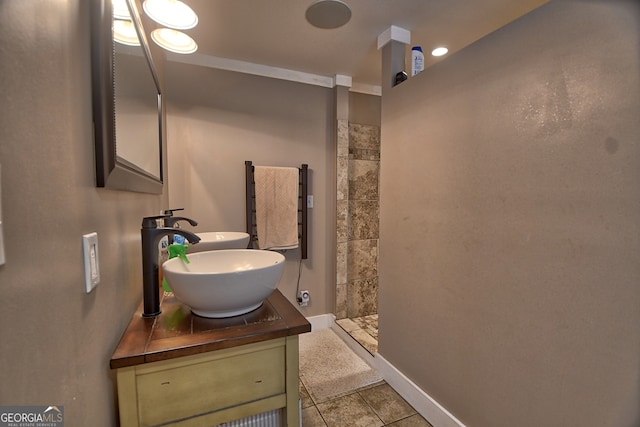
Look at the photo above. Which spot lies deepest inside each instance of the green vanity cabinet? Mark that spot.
(219, 371)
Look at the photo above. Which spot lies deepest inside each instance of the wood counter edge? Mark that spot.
(133, 347)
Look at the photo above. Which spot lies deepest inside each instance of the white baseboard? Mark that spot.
(322, 321)
(431, 410)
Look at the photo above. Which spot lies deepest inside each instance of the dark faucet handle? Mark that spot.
(173, 221)
(171, 211)
(150, 221)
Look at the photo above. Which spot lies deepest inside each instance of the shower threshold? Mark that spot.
(363, 330)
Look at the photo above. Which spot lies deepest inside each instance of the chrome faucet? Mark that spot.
(151, 236)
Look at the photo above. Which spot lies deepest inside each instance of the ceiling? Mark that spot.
(275, 33)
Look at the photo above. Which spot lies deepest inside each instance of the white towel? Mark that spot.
(276, 207)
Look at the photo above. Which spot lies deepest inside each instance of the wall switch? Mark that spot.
(91, 263)
(1, 230)
(310, 201)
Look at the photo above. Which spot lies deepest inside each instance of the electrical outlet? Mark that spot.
(303, 298)
(91, 262)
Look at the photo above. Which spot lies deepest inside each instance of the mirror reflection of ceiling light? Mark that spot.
(171, 13)
(174, 41)
(439, 51)
(124, 32)
(120, 9)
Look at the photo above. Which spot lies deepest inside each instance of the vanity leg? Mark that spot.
(292, 382)
(127, 396)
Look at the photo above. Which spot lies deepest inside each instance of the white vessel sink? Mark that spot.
(216, 240)
(224, 283)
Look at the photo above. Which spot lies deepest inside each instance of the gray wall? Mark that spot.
(509, 274)
(57, 340)
(218, 119)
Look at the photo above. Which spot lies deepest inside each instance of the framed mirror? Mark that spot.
(127, 105)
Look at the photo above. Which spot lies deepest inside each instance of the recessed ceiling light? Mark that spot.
(171, 13)
(124, 32)
(174, 41)
(328, 14)
(439, 51)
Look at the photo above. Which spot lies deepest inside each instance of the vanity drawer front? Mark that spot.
(175, 391)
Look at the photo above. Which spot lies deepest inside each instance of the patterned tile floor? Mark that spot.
(373, 405)
(376, 405)
(363, 329)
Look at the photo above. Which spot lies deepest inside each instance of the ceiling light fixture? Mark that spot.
(439, 51)
(171, 13)
(174, 41)
(328, 14)
(125, 33)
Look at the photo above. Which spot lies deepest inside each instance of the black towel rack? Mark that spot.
(250, 185)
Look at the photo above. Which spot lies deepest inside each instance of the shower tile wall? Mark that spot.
(358, 170)
(342, 214)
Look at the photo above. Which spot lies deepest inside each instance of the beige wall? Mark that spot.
(217, 120)
(57, 340)
(364, 109)
(509, 274)
(517, 257)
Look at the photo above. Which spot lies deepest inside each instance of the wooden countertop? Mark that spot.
(176, 332)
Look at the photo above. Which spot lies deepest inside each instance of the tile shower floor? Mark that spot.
(362, 329)
(338, 389)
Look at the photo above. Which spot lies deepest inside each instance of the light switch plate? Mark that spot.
(91, 262)
(2, 259)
